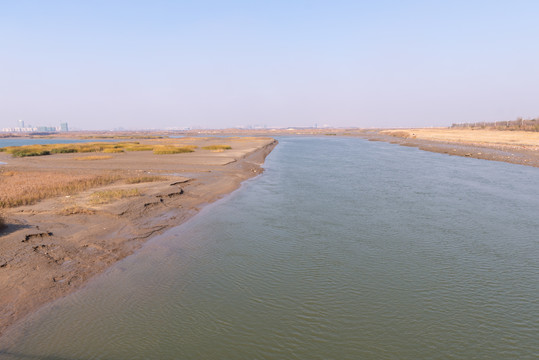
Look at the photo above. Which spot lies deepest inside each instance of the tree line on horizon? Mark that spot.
(518, 124)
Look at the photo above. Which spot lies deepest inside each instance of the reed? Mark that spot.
(144, 179)
(48, 149)
(107, 196)
(26, 188)
(113, 150)
(76, 210)
(41, 150)
(217, 147)
(165, 149)
(138, 147)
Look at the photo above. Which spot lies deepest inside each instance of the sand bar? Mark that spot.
(53, 247)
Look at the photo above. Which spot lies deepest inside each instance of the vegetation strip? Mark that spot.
(26, 188)
(145, 179)
(120, 147)
(164, 149)
(106, 196)
(217, 147)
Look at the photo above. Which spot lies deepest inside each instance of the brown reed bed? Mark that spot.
(49, 149)
(145, 179)
(107, 196)
(165, 149)
(29, 187)
(217, 147)
(76, 210)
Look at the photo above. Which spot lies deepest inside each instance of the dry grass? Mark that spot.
(401, 134)
(107, 196)
(139, 147)
(144, 179)
(173, 147)
(217, 147)
(485, 137)
(2, 222)
(164, 149)
(76, 210)
(96, 157)
(26, 188)
(113, 150)
(48, 149)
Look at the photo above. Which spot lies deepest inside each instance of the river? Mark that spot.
(342, 249)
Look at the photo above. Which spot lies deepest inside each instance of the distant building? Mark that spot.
(29, 128)
(46, 129)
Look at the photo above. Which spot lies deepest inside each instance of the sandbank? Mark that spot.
(53, 247)
(516, 147)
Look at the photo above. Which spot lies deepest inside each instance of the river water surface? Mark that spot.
(342, 249)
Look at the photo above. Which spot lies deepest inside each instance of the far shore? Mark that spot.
(512, 146)
(516, 147)
(55, 245)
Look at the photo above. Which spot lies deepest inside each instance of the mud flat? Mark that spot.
(50, 248)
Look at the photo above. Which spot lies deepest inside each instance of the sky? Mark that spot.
(217, 64)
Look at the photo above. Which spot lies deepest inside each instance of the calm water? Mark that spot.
(342, 249)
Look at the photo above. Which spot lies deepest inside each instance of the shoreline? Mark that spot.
(512, 146)
(47, 254)
(527, 155)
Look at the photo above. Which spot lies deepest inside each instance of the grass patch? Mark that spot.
(95, 157)
(113, 150)
(145, 179)
(139, 147)
(217, 147)
(30, 150)
(166, 149)
(41, 150)
(29, 187)
(107, 196)
(76, 210)
(48, 149)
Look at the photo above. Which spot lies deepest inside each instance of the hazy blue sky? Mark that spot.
(159, 64)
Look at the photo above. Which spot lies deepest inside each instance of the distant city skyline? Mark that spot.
(23, 127)
(192, 64)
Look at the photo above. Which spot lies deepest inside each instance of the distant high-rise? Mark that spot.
(64, 127)
(21, 123)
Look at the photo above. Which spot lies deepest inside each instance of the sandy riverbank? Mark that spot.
(517, 147)
(53, 247)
